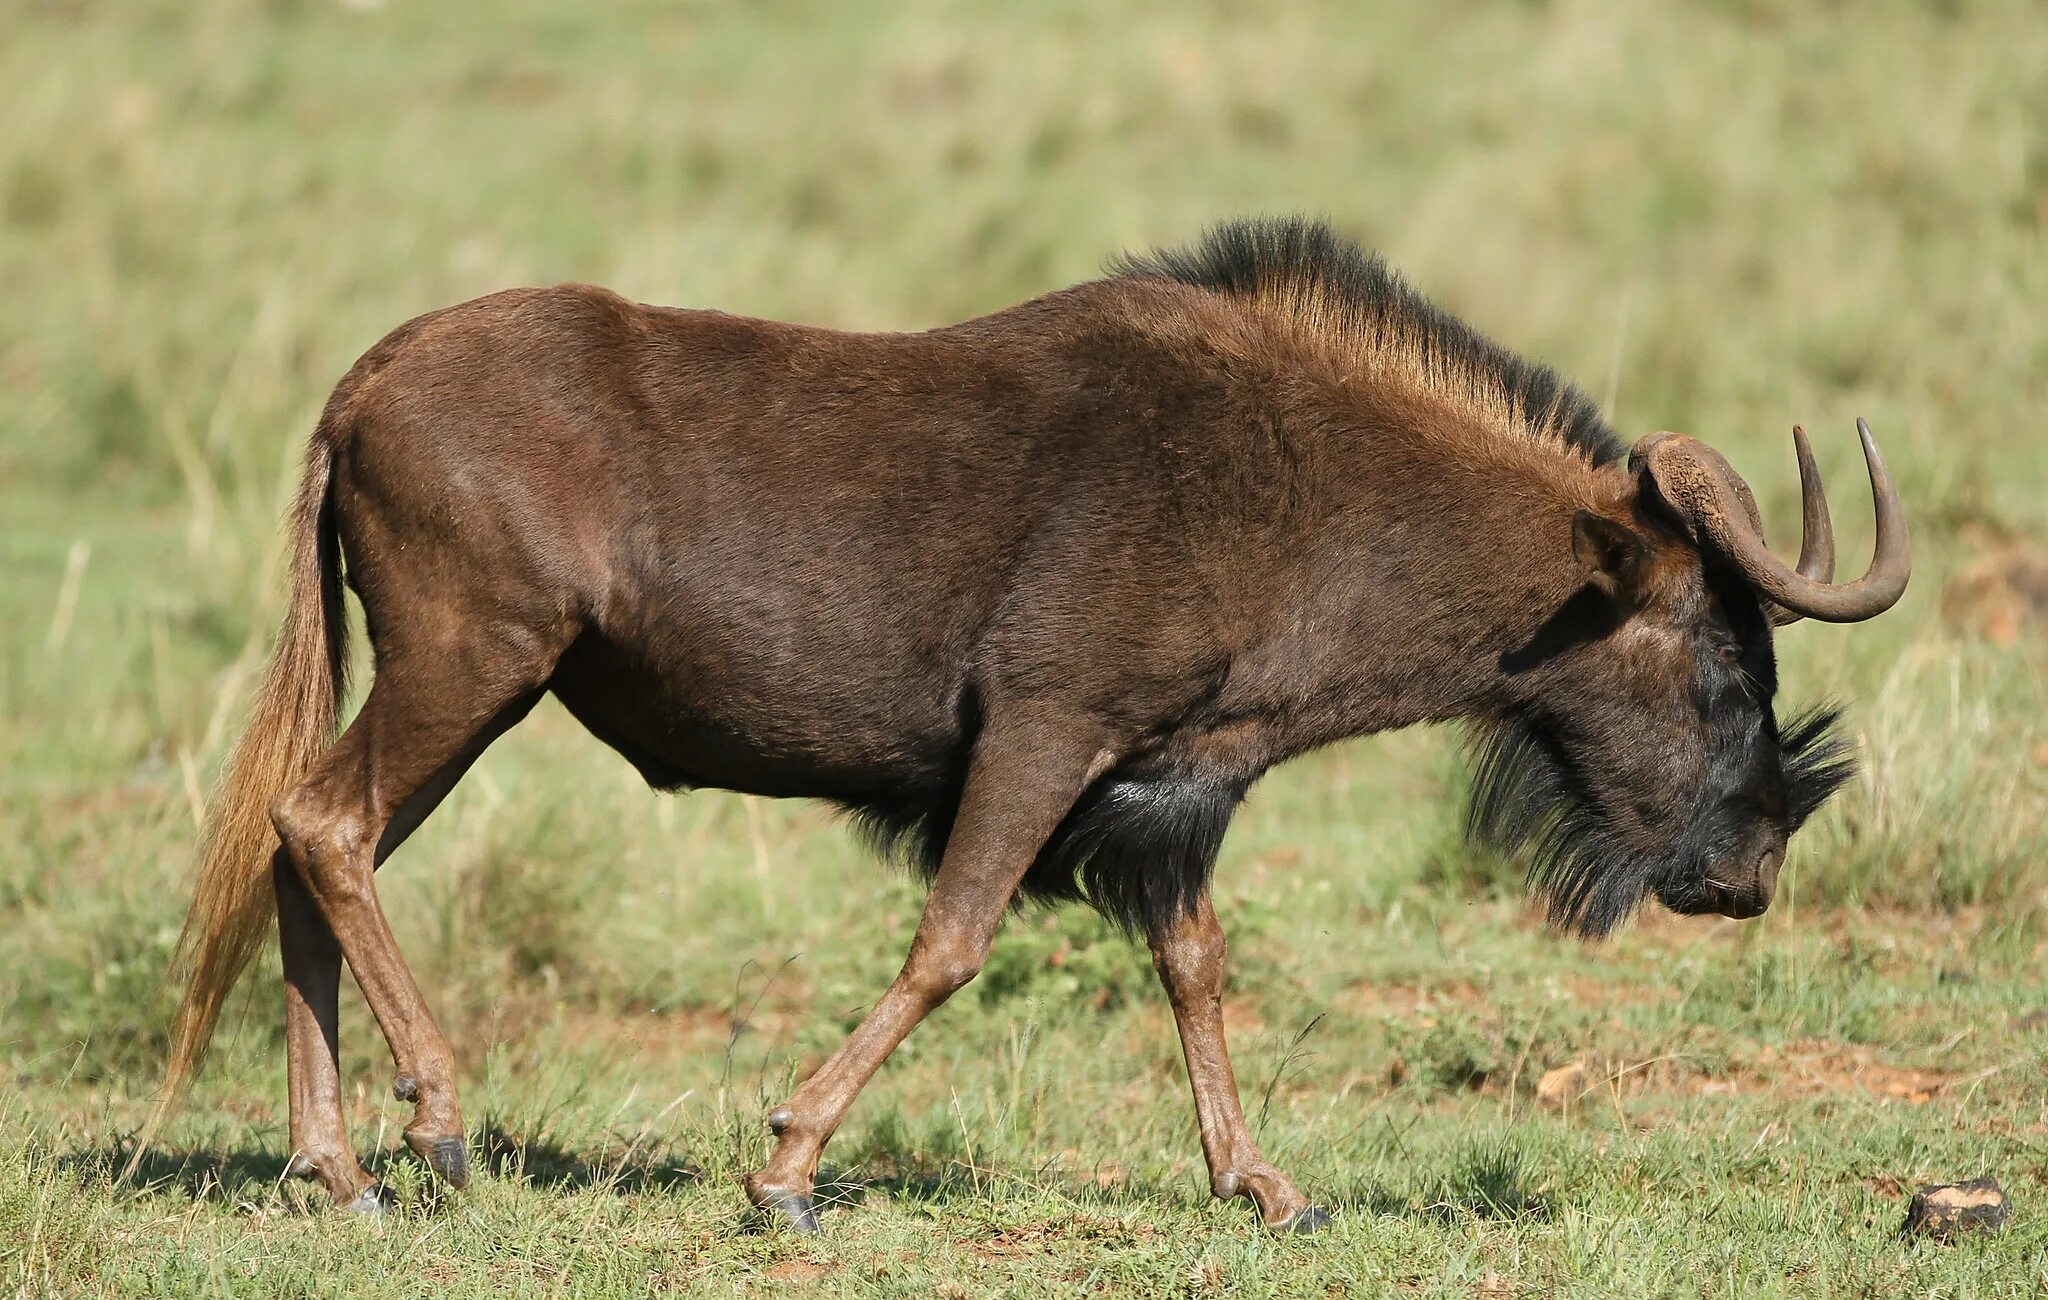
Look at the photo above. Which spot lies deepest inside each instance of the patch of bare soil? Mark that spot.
(2001, 594)
(1025, 1239)
(1803, 1068)
(692, 1032)
(1818, 1067)
(797, 1270)
(1049, 1236)
(1424, 1004)
(1597, 1078)
(1418, 1002)
(1075, 1163)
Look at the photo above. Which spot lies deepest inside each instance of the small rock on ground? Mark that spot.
(1561, 1086)
(1944, 1210)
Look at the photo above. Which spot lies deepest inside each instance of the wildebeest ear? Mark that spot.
(1615, 557)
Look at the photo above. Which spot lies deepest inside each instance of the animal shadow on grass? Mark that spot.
(550, 1164)
(238, 1175)
(220, 1177)
(1485, 1180)
(933, 1168)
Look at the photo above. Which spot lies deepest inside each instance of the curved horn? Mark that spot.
(1711, 497)
(1816, 530)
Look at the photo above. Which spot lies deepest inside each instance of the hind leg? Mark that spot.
(312, 977)
(312, 983)
(429, 713)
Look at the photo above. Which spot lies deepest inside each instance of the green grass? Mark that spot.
(1721, 218)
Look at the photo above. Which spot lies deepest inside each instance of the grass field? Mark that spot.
(1720, 218)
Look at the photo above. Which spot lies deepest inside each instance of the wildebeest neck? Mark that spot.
(1443, 573)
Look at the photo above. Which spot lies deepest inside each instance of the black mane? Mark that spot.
(1140, 853)
(1256, 255)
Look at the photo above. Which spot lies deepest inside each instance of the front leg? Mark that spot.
(1025, 775)
(1188, 951)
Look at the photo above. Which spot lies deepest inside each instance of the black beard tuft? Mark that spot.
(1527, 794)
(1818, 761)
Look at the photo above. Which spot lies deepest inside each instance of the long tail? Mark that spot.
(290, 727)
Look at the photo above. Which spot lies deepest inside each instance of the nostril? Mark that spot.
(1767, 868)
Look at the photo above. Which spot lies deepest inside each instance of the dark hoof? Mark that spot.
(792, 1210)
(1312, 1219)
(446, 1156)
(372, 1200)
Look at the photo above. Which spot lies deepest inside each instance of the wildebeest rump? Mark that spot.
(1037, 596)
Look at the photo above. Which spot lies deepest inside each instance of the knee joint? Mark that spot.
(1201, 958)
(322, 845)
(941, 975)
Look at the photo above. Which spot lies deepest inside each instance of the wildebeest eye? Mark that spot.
(1727, 651)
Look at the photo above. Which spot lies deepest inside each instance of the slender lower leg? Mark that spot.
(416, 734)
(335, 863)
(312, 985)
(1188, 953)
(1021, 782)
(312, 968)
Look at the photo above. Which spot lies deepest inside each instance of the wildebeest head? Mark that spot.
(1643, 753)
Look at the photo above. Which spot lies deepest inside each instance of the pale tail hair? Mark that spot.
(290, 727)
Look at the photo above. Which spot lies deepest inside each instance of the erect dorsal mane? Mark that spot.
(1311, 270)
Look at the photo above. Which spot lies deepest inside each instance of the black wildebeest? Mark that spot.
(1037, 596)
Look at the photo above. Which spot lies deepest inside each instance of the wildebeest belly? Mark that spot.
(710, 698)
(769, 626)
